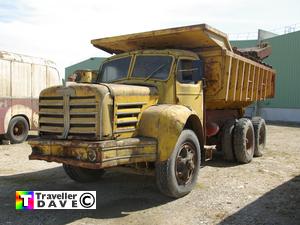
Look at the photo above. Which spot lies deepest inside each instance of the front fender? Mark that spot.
(165, 123)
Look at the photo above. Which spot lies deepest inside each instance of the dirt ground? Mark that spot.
(266, 191)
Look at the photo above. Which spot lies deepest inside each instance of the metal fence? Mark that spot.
(253, 35)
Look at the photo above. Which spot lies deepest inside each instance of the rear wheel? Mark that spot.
(244, 140)
(17, 130)
(177, 176)
(83, 175)
(227, 139)
(260, 133)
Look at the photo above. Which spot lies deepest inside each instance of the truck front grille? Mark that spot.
(72, 117)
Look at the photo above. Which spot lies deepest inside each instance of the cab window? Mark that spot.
(114, 70)
(187, 71)
(152, 67)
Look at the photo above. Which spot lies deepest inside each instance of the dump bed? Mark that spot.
(232, 81)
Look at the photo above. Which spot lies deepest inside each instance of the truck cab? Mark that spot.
(176, 74)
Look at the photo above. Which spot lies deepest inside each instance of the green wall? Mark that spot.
(91, 64)
(285, 59)
(244, 44)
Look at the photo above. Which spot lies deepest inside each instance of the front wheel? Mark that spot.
(177, 176)
(83, 175)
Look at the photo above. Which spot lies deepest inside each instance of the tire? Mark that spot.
(83, 175)
(185, 159)
(227, 140)
(260, 132)
(17, 130)
(244, 141)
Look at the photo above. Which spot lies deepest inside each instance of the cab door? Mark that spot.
(189, 88)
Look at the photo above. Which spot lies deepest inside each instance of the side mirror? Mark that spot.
(198, 70)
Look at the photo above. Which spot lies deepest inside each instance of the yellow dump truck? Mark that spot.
(161, 103)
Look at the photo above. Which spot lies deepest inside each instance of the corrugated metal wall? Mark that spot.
(285, 59)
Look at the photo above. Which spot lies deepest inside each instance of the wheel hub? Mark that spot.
(185, 163)
(18, 129)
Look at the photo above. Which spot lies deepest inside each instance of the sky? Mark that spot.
(61, 30)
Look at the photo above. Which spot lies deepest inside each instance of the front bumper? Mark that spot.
(94, 154)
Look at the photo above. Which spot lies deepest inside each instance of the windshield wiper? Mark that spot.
(154, 71)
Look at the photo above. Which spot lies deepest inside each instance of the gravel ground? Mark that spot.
(266, 191)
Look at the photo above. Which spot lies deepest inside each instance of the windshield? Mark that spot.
(114, 70)
(147, 66)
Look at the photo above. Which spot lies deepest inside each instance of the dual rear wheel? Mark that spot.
(244, 138)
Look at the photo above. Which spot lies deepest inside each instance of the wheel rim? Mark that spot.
(249, 141)
(18, 129)
(185, 163)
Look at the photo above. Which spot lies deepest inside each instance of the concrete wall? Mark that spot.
(275, 114)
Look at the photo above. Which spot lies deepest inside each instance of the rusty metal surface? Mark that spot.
(209, 152)
(185, 163)
(257, 54)
(164, 123)
(108, 153)
(188, 37)
(159, 109)
(233, 81)
(72, 162)
(78, 110)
